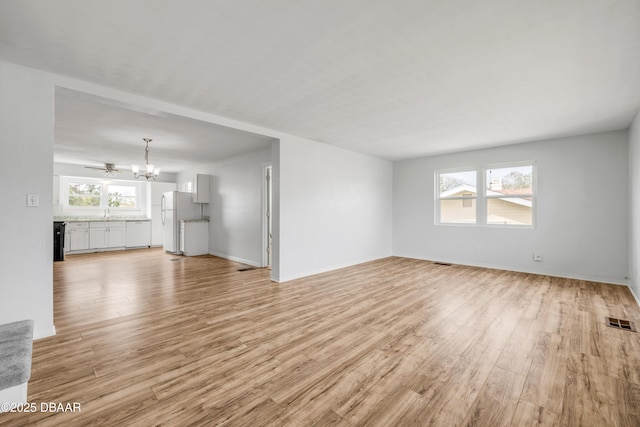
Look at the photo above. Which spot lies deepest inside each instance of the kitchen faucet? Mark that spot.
(106, 212)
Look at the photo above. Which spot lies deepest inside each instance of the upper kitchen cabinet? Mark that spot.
(201, 188)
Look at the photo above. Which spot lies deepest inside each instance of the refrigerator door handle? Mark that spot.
(163, 207)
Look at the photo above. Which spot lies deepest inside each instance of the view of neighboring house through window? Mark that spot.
(510, 195)
(507, 198)
(457, 194)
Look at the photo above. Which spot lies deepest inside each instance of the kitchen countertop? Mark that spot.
(99, 218)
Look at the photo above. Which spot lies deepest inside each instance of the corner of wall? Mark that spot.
(634, 206)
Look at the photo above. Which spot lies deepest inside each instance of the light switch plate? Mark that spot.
(33, 200)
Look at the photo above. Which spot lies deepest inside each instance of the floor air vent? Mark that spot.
(443, 263)
(620, 324)
(247, 269)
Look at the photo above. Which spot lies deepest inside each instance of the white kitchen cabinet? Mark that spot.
(137, 234)
(106, 234)
(201, 185)
(156, 226)
(76, 236)
(194, 237)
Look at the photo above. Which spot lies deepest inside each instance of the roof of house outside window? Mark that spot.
(465, 188)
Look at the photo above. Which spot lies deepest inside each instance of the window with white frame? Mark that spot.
(507, 196)
(93, 194)
(457, 196)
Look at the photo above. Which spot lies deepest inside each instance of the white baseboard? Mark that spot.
(16, 394)
(635, 296)
(236, 259)
(39, 333)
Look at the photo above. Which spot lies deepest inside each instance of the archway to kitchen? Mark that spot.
(97, 125)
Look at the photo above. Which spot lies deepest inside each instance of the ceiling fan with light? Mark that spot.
(109, 169)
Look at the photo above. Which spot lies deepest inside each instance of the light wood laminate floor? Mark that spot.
(146, 338)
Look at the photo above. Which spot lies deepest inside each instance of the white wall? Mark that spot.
(26, 148)
(364, 231)
(184, 179)
(582, 210)
(334, 207)
(235, 211)
(634, 206)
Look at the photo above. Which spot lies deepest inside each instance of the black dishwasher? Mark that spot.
(58, 240)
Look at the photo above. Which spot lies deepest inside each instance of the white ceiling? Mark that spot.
(392, 78)
(91, 131)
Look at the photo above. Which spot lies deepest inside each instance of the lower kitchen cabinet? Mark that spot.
(76, 236)
(106, 234)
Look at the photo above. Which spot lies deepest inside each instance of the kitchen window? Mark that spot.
(507, 197)
(92, 194)
(82, 194)
(122, 196)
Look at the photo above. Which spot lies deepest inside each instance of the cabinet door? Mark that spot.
(116, 237)
(78, 240)
(156, 226)
(98, 238)
(201, 188)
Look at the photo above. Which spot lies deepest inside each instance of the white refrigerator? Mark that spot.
(176, 206)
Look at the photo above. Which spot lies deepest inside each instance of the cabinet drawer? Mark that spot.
(107, 224)
(77, 225)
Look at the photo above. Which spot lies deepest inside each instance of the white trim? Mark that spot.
(486, 194)
(562, 275)
(236, 259)
(104, 194)
(511, 198)
(16, 395)
(267, 168)
(633, 292)
(314, 271)
(38, 333)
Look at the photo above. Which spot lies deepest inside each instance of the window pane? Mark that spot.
(510, 181)
(453, 183)
(122, 196)
(457, 211)
(84, 194)
(509, 210)
(125, 190)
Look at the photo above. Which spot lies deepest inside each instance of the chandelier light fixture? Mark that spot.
(150, 172)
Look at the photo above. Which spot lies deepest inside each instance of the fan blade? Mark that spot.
(105, 168)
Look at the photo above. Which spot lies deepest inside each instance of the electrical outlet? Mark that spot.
(537, 257)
